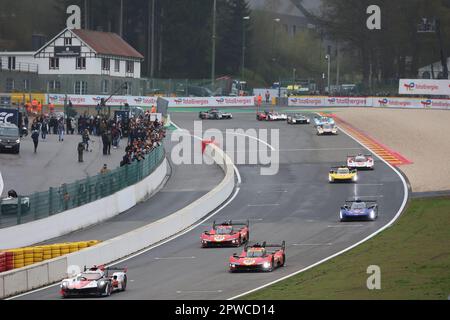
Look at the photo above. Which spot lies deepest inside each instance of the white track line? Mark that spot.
(402, 207)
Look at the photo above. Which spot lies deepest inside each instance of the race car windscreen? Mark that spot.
(224, 230)
(89, 276)
(360, 159)
(255, 253)
(343, 171)
(358, 206)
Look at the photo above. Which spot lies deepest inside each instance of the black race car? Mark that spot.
(297, 119)
(214, 114)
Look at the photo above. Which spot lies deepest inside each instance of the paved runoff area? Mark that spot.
(54, 163)
(421, 136)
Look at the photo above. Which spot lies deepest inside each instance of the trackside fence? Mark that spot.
(72, 195)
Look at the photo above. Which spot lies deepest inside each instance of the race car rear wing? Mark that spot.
(334, 169)
(354, 156)
(266, 245)
(232, 223)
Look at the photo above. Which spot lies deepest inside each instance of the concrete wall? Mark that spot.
(81, 217)
(47, 272)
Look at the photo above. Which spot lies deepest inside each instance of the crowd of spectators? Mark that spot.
(144, 134)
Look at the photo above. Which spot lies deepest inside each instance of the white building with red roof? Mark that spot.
(76, 61)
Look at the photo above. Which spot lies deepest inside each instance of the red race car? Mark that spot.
(229, 233)
(259, 258)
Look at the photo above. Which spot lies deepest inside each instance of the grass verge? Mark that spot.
(414, 257)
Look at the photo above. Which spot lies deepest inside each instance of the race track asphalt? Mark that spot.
(297, 205)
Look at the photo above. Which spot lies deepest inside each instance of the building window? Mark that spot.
(9, 85)
(285, 26)
(105, 64)
(81, 63)
(54, 63)
(294, 29)
(117, 65)
(26, 84)
(130, 67)
(53, 86)
(128, 88)
(67, 41)
(12, 63)
(105, 86)
(80, 87)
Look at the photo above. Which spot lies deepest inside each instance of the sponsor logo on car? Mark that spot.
(219, 238)
(249, 262)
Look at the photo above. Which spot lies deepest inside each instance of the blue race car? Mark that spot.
(319, 121)
(359, 210)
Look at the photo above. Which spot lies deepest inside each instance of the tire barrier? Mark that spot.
(21, 257)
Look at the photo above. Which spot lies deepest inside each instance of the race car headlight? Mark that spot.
(266, 265)
(18, 141)
(372, 214)
(64, 284)
(329, 178)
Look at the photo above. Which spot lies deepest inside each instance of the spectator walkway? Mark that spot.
(54, 163)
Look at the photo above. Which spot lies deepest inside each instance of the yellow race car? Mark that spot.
(342, 174)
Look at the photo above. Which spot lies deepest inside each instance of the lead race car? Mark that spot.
(298, 119)
(271, 116)
(327, 129)
(359, 210)
(215, 114)
(258, 257)
(228, 233)
(342, 174)
(94, 281)
(360, 161)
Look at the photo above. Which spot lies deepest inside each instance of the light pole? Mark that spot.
(243, 45)
(276, 20)
(293, 78)
(328, 58)
(213, 59)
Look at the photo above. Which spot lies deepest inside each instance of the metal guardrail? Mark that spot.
(72, 195)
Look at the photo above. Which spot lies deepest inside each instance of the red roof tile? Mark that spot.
(107, 43)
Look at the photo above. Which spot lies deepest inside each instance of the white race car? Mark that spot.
(95, 281)
(327, 129)
(361, 161)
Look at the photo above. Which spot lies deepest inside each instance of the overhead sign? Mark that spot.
(67, 51)
(424, 87)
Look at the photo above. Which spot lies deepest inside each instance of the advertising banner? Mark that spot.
(410, 103)
(91, 100)
(424, 87)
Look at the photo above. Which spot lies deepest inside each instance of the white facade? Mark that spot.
(87, 62)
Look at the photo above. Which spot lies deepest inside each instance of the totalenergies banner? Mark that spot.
(424, 87)
(410, 103)
(91, 100)
(322, 101)
(378, 102)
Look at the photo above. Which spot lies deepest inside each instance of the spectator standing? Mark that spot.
(35, 137)
(72, 125)
(80, 150)
(109, 141)
(86, 138)
(44, 129)
(105, 143)
(61, 129)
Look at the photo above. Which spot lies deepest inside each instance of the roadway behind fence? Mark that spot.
(81, 192)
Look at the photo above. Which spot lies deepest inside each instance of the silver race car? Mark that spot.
(297, 119)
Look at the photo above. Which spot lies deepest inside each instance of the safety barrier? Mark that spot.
(54, 270)
(72, 195)
(21, 257)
